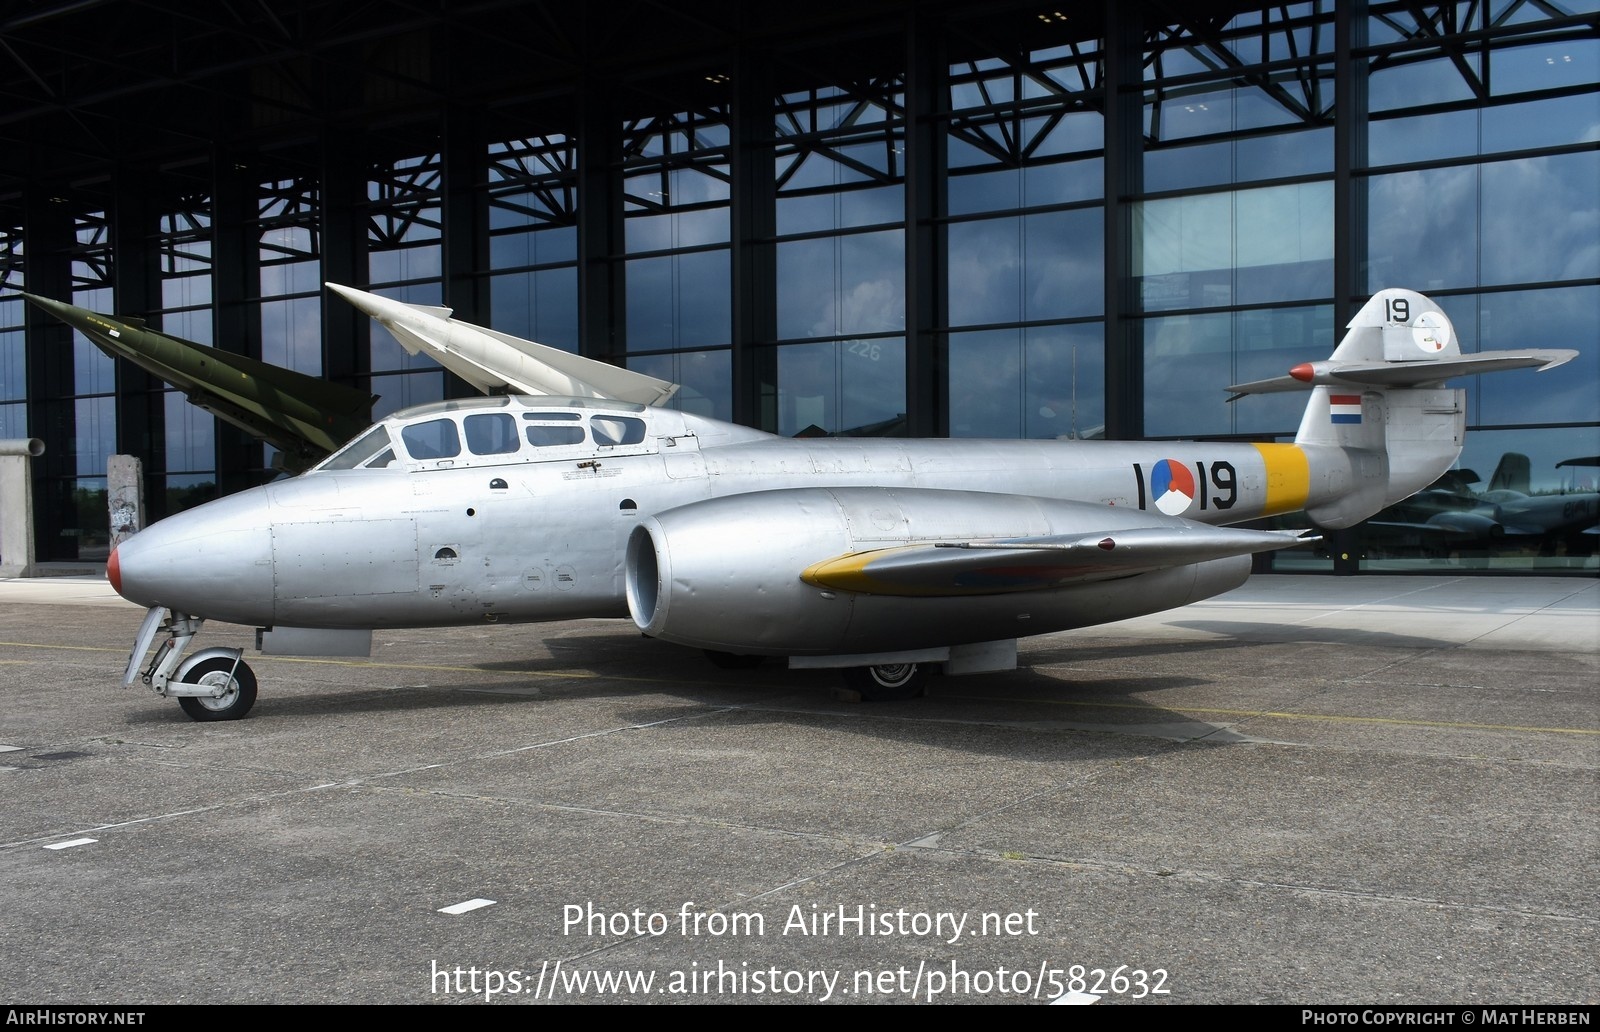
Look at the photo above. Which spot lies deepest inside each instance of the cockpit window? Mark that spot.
(492, 434)
(435, 439)
(363, 448)
(541, 434)
(614, 430)
(548, 436)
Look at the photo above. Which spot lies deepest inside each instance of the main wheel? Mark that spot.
(231, 704)
(888, 682)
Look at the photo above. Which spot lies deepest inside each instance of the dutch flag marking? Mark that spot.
(1344, 408)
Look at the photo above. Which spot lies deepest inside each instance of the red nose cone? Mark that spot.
(114, 572)
(1303, 372)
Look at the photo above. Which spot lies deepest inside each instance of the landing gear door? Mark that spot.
(141, 645)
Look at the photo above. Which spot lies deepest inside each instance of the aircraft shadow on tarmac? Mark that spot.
(632, 663)
(616, 666)
(1232, 635)
(1310, 634)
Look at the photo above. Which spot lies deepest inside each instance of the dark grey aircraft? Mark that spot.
(1449, 516)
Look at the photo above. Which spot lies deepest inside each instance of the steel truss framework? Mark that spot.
(300, 136)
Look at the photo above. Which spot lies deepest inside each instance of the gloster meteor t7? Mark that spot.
(886, 558)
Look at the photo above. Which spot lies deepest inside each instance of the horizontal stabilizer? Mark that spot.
(1037, 564)
(1402, 374)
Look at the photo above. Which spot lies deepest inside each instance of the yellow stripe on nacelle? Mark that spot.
(848, 572)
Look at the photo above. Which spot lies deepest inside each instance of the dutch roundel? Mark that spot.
(1172, 486)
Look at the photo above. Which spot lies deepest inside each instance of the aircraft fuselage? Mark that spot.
(535, 527)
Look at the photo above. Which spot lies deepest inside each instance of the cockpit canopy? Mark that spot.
(494, 431)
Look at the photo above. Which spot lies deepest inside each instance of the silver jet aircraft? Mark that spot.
(887, 558)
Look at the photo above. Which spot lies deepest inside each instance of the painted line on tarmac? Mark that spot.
(69, 648)
(467, 907)
(367, 780)
(70, 843)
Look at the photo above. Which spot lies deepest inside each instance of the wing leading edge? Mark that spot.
(1396, 374)
(954, 568)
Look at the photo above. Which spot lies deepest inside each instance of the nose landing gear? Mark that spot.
(213, 684)
(234, 677)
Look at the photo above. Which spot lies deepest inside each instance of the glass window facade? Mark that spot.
(1025, 245)
(405, 231)
(676, 231)
(76, 489)
(838, 364)
(13, 338)
(1481, 142)
(1231, 245)
(1249, 246)
(533, 238)
(289, 273)
(187, 297)
(673, 260)
(983, 222)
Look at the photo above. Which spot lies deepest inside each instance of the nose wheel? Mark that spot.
(234, 677)
(212, 684)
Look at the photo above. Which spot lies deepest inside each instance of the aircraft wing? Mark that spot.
(553, 371)
(610, 381)
(559, 372)
(416, 339)
(493, 361)
(303, 417)
(950, 568)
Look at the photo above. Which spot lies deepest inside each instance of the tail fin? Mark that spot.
(1514, 473)
(1380, 425)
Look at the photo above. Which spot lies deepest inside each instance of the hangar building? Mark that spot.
(1001, 219)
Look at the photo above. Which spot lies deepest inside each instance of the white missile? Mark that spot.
(492, 361)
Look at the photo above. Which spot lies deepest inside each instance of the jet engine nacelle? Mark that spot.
(725, 574)
(1475, 523)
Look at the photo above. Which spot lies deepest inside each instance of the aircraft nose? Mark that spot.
(214, 561)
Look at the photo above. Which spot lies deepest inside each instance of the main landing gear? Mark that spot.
(212, 684)
(887, 682)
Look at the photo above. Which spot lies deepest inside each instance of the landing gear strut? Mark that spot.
(213, 684)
